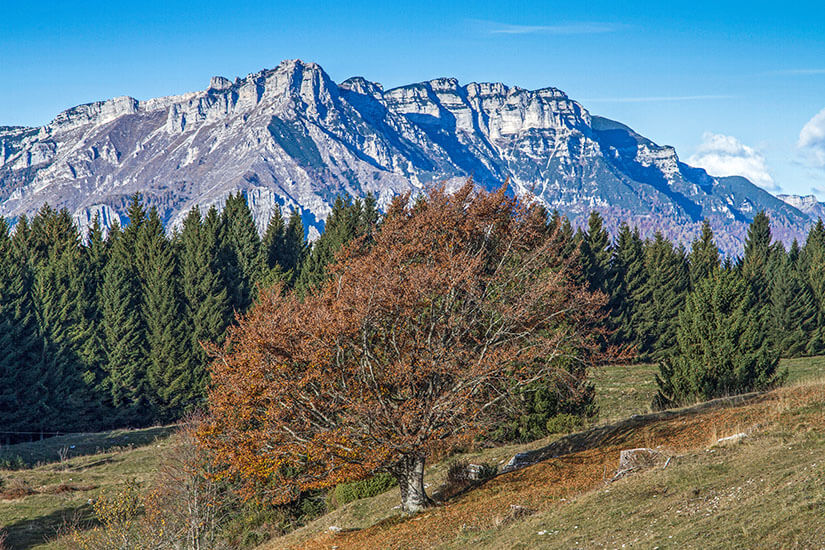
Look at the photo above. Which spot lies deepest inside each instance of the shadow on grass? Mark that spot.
(31, 532)
(618, 432)
(24, 455)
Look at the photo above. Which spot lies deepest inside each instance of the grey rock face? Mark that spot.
(291, 138)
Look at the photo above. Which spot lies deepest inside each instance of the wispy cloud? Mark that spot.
(723, 155)
(795, 72)
(569, 28)
(651, 99)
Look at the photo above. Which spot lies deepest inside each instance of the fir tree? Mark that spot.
(206, 307)
(704, 256)
(273, 240)
(169, 374)
(723, 345)
(754, 264)
(241, 251)
(793, 312)
(345, 222)
(812, 266)
(627, 286)
(125, 332)
(595, 253)
(23, 395)
(666, 287)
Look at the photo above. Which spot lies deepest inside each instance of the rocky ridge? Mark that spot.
(291, 138)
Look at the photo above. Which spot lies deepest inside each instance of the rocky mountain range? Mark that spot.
(291, 138)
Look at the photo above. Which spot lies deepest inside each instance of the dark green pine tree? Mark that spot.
(812, 266)
(206, 307)
(23, 394)
(595, 253)
(667, 285)
(290, 252)
(723, 346)
(627, 286)
(563, 236)
(125, 333)
(241, 251)
(754, 263)
(169, 369)
(89, 331)
(793, 312)
(344, 224)
(270, 271)
(704, 256)
(58, 296)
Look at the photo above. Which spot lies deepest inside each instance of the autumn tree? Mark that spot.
(413, 346)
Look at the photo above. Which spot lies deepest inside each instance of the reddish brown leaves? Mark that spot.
(412, 347)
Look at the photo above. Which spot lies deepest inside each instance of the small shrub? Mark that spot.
(16, 488)
(365, 488)
(564, 423)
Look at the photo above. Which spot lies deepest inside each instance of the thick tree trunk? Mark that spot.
(410, 475)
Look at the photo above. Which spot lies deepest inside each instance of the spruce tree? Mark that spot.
(55, 247)
(206, 307)
(292, 250)
(273, 239)
(595, 253)
(666, 286)
(723, 345)
(704, 256)
(344, 223)
(241, 251)
(89, 331)
(793, 312)
(812, 266)
(24, 396)
(754, 264)
(627, 286)
(169, 374)
(125, 332)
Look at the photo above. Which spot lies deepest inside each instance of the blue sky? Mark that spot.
(734, 86)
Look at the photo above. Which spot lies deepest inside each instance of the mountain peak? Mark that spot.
(291, 138)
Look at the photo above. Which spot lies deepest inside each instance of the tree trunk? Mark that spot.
(410, 476)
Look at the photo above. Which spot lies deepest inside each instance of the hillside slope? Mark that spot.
(767, 491)
(290, 137)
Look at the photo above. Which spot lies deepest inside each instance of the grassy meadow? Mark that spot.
(710, 498)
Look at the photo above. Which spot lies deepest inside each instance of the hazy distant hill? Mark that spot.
(290, 137)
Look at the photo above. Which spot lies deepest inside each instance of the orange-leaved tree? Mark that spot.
(412, 347)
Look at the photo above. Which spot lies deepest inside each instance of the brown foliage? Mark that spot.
(410, 349)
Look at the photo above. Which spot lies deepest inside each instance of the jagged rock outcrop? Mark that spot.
(290, 137)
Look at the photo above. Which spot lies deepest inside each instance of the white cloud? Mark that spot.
(584, 27)
(722, 155)
(812, 140)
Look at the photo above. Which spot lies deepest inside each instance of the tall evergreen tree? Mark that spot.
(793, 312)
(667, 285)
(169, 374)
(754, 264)
(125, 332)
(704, 256)
(346, 222)
(595, 253)
(241, 251)
(812, 266)
(206, 307)
(58, 297)
(627, 286)
(89, 331)
(23, 393)
(271, 243)
(723, 345)
(292, 250)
